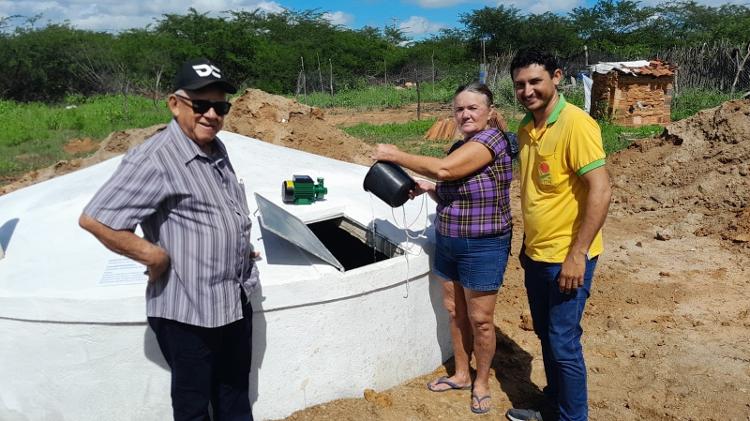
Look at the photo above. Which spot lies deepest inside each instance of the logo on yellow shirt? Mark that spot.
(545, 178)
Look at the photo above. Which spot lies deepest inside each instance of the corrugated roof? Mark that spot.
(642, 67)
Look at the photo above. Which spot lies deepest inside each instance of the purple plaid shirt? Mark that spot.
(479, 204)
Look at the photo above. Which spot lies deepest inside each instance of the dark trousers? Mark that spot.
(208, 365)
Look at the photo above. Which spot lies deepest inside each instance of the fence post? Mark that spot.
(385, 72)
(740, 67)
(304, 77)
(330, 72)
(433, 72)
(419, 99)
(586, 55)
(320, 74)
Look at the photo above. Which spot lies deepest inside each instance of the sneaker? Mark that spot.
(523, 415)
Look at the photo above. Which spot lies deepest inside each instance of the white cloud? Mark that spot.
(339, 18)
(542, 6)
(418, 25)
(116, 15)
(270, 7)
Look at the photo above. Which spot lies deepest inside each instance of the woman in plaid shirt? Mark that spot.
(473, 232)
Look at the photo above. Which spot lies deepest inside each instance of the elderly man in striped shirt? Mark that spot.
(181, 188)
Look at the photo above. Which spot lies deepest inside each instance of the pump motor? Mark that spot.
(302, 190)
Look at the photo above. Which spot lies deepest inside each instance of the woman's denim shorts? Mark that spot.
(477, 263)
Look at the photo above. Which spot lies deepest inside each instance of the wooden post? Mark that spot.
(740, 67)
(330, 73)
(320, 74)
(304, 77)
(419, 99)
(586, 55)
(433, 72)
(385, 72)
(497, 66)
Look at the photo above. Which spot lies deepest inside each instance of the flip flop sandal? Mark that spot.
(444, 380)
(478, 409)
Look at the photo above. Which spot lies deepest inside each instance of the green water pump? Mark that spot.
(302, 190)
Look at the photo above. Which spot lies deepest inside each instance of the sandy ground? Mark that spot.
(667, 328)
(344, 117)
(668, 322)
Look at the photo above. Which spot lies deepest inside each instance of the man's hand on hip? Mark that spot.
(158, 263)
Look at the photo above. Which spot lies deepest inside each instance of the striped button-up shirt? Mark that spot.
(479, 204)
(193, 206)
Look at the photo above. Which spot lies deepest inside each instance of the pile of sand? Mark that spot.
(700, 166)
(286, 122)
(257, 114)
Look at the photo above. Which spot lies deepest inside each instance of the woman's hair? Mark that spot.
(476, 87)
(496, 120)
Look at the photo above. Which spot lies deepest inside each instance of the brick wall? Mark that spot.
(632, 100)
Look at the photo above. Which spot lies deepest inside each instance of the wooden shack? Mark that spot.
(633, 93)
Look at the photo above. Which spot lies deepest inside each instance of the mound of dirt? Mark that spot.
(700, 166)
(286, 122)
(270, 118)
(80, 146)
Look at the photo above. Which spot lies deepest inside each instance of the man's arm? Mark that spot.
(595, 212)
(128, 244)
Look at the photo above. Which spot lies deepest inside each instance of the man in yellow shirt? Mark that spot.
(565, 196)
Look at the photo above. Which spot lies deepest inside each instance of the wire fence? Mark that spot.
(719, 67)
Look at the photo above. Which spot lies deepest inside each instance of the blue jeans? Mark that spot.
(557, 323)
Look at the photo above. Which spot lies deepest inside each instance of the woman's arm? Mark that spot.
(464, 161)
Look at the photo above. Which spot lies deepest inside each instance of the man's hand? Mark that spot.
(158, 263)
(597, 203)
(572, 271)
(126, 243)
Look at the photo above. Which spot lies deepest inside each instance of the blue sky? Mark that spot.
(417, 18)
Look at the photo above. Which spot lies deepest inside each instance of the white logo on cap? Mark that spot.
(204, 70)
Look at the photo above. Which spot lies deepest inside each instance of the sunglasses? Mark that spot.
(201, 106)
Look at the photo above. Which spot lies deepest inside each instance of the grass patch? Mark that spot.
(690, 101)
(408, 137)
(379, 97)
(34, 134)
(616, 138)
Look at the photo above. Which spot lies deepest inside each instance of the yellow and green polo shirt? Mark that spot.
(553, 195)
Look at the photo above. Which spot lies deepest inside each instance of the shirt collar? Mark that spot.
(528, 118)
(186, 148)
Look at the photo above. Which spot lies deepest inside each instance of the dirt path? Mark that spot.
(345, 117)
(666, 337)
(668, 322)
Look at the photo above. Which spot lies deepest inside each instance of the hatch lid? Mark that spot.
(290, 228)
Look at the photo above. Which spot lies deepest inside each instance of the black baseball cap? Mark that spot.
(199, 73)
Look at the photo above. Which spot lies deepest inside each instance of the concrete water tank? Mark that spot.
(76, 345)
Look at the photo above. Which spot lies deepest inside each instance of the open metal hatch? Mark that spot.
(339, 241)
